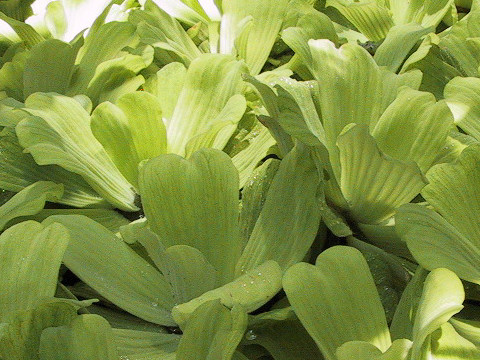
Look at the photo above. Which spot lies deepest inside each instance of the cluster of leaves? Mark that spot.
(171, 170)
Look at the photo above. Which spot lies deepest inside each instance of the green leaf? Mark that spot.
(29, 201)
(250, 291)
(453, 189)
(194, 202)
(337, 300)
(11, 75)
(86, 337)
(49, 67)
(446, 343)
(289, 219)
(468, 329)
(167, 85)
(442, 298)
(108, 265)
(254, 195)
(188, 272)
(116, 77)
(436, 243)
(19, 170)
(450, 54)
(58, 132)
(360, 350)
(179, 10)
(224, 125)
(131, 131)
(374, 184)
(213, 332)
(158, 29)
(130, 342)
(403, 320)
(267, 20)
(25, 31)
(462, 96)
(371, 18)
(30, 255)
(210, 82)
(424, 12)
(17, 9)
(100, 46)
(109, 218)
(404, 131)
(399, 41)
(255, 146)
(20, 339)
(281, 333)
(353, 88)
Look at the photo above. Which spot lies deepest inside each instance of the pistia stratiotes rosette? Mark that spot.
(370, 129)
(447, 237)
(330, 117)
(337, 302)
(191, 206)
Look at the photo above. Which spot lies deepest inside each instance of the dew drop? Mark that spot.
(250, 335)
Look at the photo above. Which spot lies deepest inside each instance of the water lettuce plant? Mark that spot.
(246, 180)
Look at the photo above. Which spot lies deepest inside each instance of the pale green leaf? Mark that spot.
(167, 85)
(254, 194)
(213, 332)
(462, 96)
(131, 130)
(130, 342)
(107, 264)
(194, 202)
(101, 45)
(160, 30)
(399, 41)
(250, 291)
(450, 54)
(257, 142)
(211, 80)
(442, 298)
(404, 131)
(86, 337)
(281, 333)
(11, 75)
(289, 219)
(19, 170)
(453, 191)
(403, 320)
(20, 339)
(370, 17)
(436, 243)
(109, 218)
(267, 20)
(49, 67)
(188, 272)
(468, 329)
(179, 10)
(337, 300)
(29, 201)
(385, 237)
(424, 12)
(222, 128)
(359, 350)
(25, 31)
(116, 77)
(58, 132)
(447, 344)
(374, 184)
(30, 255)
(353, 88)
